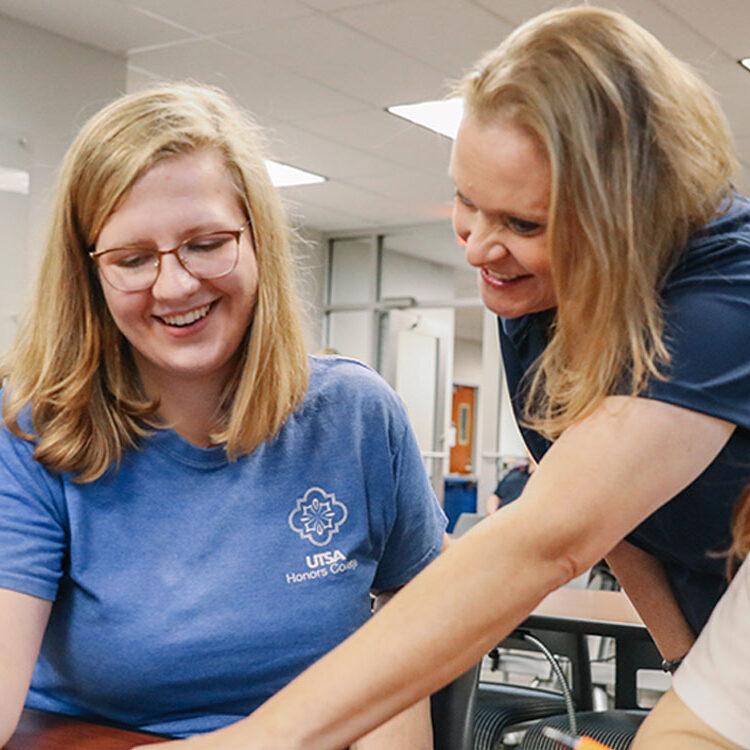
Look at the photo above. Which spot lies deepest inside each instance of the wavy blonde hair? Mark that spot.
(72, 366)
(641, 157)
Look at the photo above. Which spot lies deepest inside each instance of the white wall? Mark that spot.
(467, 362)
(48, 87)
(406, 276)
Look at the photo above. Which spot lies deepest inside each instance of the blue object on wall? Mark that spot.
(460, 497)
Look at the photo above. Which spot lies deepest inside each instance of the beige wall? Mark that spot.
(48, 87)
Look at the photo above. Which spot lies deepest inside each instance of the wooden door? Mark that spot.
(463, 424)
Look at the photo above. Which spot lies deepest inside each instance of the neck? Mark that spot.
(189, 405)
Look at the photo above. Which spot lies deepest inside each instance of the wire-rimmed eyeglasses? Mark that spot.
(204, 256)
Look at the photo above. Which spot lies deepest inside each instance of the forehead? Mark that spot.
(500, 168)
(186, 189)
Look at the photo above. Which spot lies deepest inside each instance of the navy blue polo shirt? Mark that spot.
(706, 302)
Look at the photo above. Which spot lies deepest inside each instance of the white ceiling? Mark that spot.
(318, 74)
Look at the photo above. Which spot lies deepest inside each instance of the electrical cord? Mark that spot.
(555, 664)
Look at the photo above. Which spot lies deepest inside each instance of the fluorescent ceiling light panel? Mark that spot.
(15, 180)
(443, 116)
(745, 62)
(282, 175)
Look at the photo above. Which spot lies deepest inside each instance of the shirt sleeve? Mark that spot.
(32, 527)
(714, 679)
(707, 313)
(416, 534)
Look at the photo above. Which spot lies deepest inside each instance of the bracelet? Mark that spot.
(671, 665)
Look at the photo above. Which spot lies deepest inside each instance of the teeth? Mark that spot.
(186, 318)
(501, 277)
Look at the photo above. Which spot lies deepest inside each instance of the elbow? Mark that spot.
(568, 556)
(566, 566)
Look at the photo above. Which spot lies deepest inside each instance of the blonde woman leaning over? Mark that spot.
(192, 511)
(593, 195)
(709, 703)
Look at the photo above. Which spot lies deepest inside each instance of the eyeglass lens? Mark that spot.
(207, 256)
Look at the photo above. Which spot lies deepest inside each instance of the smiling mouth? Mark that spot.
(499, 279)
(186, 319)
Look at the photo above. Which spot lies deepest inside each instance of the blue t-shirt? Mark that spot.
(706, 303)
(188, 589)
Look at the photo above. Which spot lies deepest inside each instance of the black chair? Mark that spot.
(453, 712)
(615, 728)
(501, 707)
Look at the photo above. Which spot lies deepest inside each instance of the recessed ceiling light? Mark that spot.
(15, 180)
(745, 62)
(284, 175)
(443, 116)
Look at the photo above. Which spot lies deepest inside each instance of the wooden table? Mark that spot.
(42, 731)
(589, 611)
(604, 613)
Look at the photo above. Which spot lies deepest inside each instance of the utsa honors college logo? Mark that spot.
(317, 516)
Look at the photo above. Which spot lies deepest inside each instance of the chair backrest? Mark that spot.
(571, 646)
(453, 712)
(633, 655)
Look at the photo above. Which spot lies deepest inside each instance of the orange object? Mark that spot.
(586, 743)
(573, 742)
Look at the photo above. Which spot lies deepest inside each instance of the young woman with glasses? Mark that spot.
(593, 176)
(192, 510)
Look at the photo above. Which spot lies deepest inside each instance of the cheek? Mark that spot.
(539, 259)
(124, 308)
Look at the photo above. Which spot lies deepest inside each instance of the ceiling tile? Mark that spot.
(265, 89)
(222, 15)
(410, 187)
(343, 59)
(331, 5)
(295, 146)
(516, 11)
(354, 201)
(438, 44)
(728, 29)
(109, 25)
(390, 137)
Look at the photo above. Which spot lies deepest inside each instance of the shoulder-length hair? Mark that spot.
(71, 365)
(641, 157)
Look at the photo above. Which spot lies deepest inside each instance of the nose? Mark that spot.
(480, 238)
(173, 281)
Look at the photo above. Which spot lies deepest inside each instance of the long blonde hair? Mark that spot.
(640, 156)
(70, 364)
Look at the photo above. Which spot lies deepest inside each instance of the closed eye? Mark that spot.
(523, 227)
(463, 199)
(208, 243)
(128, 259)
